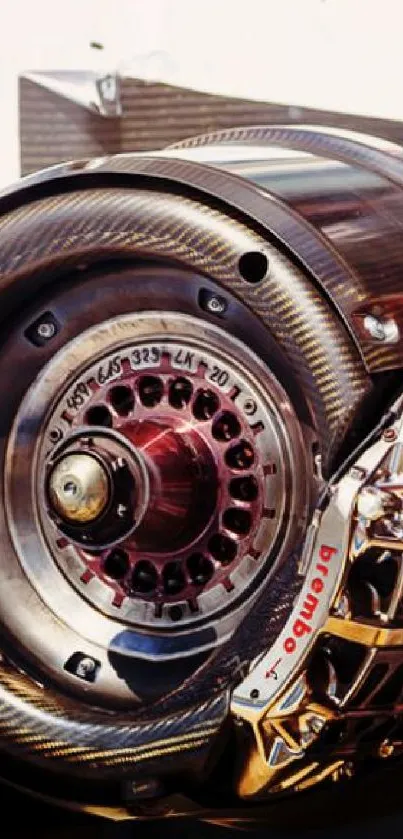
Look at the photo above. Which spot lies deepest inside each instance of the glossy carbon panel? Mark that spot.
(52, 729)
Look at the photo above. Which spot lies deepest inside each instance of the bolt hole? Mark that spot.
(244, 489)
(222, 548)
(151, 390)
(116, 564)
(240, 456)
(253, 266)
(200, 569)
(144, 577)
(254, 694)
(122, 399)
(99, 415)
(206, 404)
(69, 488)
(173, 578)
(180, 392)
(238, 521)
(175, 613)
(226, 427)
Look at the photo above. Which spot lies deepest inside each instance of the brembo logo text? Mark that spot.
(303, 624)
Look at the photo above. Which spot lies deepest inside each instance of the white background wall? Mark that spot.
(335, 54)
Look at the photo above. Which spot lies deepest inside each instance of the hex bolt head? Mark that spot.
(216, 305)
(42, 330)
(83, 666)
(86, 667)
(46, 330)
(212, 303)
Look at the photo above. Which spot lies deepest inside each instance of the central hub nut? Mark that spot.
(79, 489)
(97, 489)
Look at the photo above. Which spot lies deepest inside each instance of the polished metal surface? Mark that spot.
(78, 487)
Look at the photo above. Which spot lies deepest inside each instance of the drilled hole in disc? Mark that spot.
(180, 392)
(222, 548)
(99, 415)
(173, 578)
(122, 399)
(238, 521)
(151, 390)
(116, 564)
(226, 426)
(200, 569)
(244, 488)
(206, 404)
(145, 577)
(240, 456)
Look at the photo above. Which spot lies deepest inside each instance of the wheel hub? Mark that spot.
(204, 478)
(161, 482)
(79, 488)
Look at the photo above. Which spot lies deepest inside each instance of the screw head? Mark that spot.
(389, 435)
(216, 305)
(386, 331)
(46, 330)
(249, 406)
(42, 330)
(357, 473)
(86, 667)
(211, 302)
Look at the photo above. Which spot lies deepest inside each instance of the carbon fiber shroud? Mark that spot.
(360, 213)
(205, 220)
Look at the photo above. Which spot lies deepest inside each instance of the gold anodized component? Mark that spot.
(367, 634)
(79, 488)
(281, 741)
